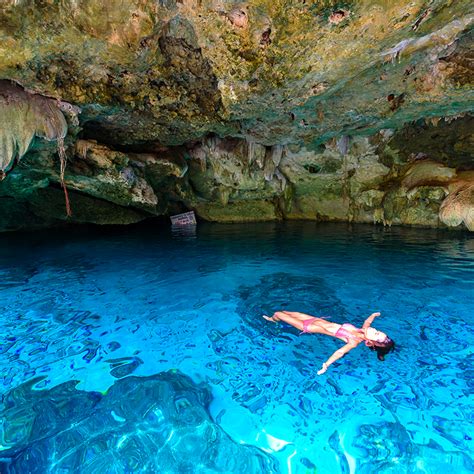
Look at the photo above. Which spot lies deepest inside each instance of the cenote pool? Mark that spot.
(145, 351)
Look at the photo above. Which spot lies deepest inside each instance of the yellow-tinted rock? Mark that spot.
(458, 207)
(427, 172)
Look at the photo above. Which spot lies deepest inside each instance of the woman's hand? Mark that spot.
(370, 320)
(324, 368)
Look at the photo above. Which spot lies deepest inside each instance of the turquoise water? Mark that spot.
(145, 351)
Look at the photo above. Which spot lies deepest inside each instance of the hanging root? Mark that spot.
(62, 169)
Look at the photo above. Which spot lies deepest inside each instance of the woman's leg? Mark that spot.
(297, 320)
(298, 315)
(289, 318)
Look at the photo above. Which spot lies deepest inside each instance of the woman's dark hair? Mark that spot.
(383, 348)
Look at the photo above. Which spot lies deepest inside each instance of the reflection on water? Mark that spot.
(185, 231)
(135, 346)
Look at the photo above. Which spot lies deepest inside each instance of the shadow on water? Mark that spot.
(286, 291)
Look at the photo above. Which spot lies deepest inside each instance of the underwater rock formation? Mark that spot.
(241, 111)
(151, 424)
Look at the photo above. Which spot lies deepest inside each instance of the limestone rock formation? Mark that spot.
(458, 207)
(256, 110)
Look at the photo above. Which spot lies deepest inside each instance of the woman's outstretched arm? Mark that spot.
(337, 355)
(370, 320)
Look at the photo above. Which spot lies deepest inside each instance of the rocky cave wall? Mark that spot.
(326, 110)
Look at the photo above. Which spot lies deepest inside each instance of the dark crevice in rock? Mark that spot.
(449, 141)
(86, 208)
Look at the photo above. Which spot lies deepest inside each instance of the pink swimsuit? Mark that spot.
(344, 334)
(307, 322)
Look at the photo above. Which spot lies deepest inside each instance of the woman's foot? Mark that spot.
(270, 318)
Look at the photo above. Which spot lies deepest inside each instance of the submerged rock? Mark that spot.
(149, 424)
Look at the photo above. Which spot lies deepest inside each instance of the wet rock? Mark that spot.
(99, 156)
(241, 211)
(450, 141)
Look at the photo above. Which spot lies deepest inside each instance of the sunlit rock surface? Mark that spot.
(146, 424)
(242, 111)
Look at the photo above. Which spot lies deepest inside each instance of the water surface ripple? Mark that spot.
(120, 352)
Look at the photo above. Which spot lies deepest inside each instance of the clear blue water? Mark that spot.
(145, 351)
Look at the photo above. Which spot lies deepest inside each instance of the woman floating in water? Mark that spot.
(352, 336)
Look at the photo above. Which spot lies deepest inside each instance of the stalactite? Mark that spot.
(24, 115)
(342, 145)
(272, 161)
(277, 154)
(256, 154)
(224, 194)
